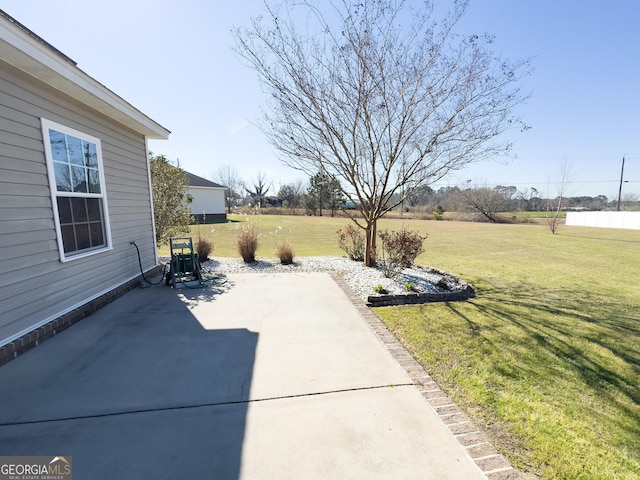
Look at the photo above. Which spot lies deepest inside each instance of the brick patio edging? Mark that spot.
(35, 337)
(493, 464)
(415, 298)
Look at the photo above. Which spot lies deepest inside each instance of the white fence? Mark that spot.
(604, 219)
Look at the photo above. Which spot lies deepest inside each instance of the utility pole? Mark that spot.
(621, 180)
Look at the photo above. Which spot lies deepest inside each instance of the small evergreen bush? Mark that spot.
(443, 284)
(410, 287)
(400, 250)
(247, 243)
(380, 289)
(284, 251)
(204, 247)
(351, 240)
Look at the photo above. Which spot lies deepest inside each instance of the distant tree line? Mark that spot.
(323, 194)
(489, 201)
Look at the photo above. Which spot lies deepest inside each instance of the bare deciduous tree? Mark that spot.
(258, 192)
(379, 95)
(629, 199)
(291, 194)
(228, 177)
(555, 205)
(486, 201)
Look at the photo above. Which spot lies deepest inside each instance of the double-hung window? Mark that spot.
(76, 178)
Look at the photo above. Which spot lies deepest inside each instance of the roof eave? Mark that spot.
(207, 188)
(38, 60)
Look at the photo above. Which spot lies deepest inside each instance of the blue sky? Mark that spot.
(172, 60)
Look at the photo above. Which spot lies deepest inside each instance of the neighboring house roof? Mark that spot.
(32, 55)
(196, 181)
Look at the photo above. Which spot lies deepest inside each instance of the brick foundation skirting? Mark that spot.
(32, 339)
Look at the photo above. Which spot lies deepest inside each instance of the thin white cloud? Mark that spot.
(237, 126)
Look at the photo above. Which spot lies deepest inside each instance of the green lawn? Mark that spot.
(308, 235)
(546, 358)
(541, 215)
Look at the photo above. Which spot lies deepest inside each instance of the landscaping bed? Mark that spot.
(410, 286)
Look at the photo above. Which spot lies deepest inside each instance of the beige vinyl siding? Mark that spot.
(36, 286)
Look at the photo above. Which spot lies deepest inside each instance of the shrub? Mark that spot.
(400, 250)
(380, 289)
(438, 213)
(285, 253)
(204, 246)
(247, 243)
(351, 240)
(410, 287)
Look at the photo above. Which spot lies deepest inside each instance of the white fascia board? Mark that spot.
(206, 189)
(38, 60)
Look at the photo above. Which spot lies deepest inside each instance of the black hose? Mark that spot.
(217, 281)
(142, 271)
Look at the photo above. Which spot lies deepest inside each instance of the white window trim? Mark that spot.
(46, 125)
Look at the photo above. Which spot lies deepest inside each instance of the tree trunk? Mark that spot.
(367, 248)
(370, 250)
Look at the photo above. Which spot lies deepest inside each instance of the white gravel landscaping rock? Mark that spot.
(360, 278)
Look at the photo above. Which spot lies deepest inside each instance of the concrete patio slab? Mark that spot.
(373, 434)
(310, 338)
(267, 376)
